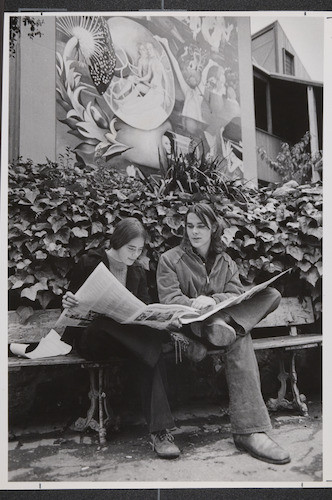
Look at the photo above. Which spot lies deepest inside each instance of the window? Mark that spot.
(288, 63)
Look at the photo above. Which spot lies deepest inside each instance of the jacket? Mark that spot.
(183, 275)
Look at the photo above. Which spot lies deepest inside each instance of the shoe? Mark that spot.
(219, 332)
(195, 351)
(261, 446)
(163, 444)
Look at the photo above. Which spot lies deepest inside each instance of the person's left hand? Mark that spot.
(202, 302)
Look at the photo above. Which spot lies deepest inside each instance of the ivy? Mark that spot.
(75, 207)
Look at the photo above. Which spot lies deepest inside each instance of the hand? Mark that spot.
(202, 302)
(163, 41)
(69, 300)
(175, 323)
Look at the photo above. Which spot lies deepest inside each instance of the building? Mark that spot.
(171, 80)
(288, 103)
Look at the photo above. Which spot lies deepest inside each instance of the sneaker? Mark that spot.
(163, 444)
(195, 351)
(219, 332)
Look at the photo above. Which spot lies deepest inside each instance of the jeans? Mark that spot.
(248, 412)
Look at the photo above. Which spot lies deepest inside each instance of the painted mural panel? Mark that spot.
(140, 89)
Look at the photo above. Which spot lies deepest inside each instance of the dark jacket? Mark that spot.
(136, 282)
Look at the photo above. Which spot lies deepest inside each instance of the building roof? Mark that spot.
(281, 76)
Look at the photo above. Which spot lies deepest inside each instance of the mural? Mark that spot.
(138, 90)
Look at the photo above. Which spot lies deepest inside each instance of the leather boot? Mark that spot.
(261, 446)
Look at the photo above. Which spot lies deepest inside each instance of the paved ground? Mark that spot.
(43, 454)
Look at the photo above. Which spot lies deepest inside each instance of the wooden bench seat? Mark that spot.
(289, 317)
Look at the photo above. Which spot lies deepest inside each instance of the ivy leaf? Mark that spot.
(248, 241)
(96, 227)
(23, 264)
(31, 292)
(304, 266)
(24, 312)
(295, 252)
(31, 246)
(45, 298)
(18, 283)
(266, 237)
(31, 195)
(315, 231)
(312, 276)
(174, 221)
(40, 255)
(79, 232)
(229, 234)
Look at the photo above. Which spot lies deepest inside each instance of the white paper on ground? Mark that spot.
(49, 346)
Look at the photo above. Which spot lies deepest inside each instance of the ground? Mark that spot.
(49, 453)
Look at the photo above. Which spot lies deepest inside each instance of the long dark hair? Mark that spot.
(125, 231)
(209, 218)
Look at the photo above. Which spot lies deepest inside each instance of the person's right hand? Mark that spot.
(69, 300)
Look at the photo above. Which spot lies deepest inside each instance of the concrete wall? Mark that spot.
(36, 87)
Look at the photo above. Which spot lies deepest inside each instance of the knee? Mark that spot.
(275, 295)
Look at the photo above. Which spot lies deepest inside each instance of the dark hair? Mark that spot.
(125, 231)
(209, 218)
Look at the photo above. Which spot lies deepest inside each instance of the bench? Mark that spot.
(291, 314)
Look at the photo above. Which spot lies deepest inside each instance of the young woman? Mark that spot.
(105, 337)
(199, 273)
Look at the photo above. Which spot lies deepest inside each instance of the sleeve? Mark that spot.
(233, 285)
(169, 289)
(80, 273)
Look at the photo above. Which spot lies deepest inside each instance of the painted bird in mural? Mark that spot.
(91, 36)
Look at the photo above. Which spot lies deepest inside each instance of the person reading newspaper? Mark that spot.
(199, 273)
(104, 337)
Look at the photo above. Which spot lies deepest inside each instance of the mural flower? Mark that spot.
(87, 121)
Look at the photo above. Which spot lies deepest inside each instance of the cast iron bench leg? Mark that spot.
(281, 401)
(82, 424)
(101, 397)
(299, 399)
(96, 395)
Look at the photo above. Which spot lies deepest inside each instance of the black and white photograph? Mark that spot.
(180, 155)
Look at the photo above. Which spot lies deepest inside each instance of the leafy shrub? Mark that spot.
(295, 162)
(58, 211)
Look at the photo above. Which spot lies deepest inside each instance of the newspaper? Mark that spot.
(49, 346)
(103, 295)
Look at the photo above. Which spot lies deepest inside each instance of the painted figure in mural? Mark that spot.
(105, 337)
(144, 92)
(199, 273)
(215, 32)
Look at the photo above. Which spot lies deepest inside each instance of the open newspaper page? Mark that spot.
(232, 301)
(103, 294)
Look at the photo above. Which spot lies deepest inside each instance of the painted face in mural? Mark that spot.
(192, 62)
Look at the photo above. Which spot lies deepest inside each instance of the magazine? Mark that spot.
(102, 294)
